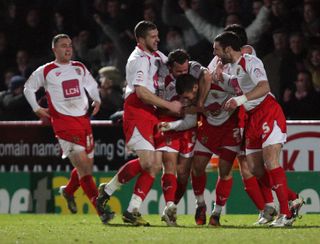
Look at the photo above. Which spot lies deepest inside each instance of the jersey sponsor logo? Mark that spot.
(58, 73)
(258, 73)
(71, 88)
(139, 76)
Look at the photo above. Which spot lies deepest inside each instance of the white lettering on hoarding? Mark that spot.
(14, 149)
(302, 150)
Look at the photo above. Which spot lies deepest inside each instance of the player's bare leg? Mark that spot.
(169, 187)
(259, 194)
(198, 180)
(68, 190)
(84, 166)
(271, 155)
(183, 174)
(223, 189)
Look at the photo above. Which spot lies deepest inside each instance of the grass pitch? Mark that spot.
(31, 228)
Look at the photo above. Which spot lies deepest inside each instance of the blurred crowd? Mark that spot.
(284, 33)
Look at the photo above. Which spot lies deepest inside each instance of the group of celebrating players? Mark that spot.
(177, 114)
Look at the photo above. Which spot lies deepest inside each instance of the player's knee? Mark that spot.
(225, 174)
(183, 178)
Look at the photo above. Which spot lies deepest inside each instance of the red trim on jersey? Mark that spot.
(216, 87)
(242, 63)
(61, 122)
(266, 99)
(76, 63)
(169, 78)
(136, 109)
(48, 68)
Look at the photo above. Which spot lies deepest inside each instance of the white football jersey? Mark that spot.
(167, 84)
(65, 85)
(144, 69)
(248, 71)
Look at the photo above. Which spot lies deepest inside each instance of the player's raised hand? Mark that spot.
(96, 107)
(43, 113)
(217, 74)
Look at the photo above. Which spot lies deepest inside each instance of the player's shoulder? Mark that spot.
(78, 63)
(251, 60)
(249, 50)
(196, 69)
(137, 56)
(162, 56)
(46, 68)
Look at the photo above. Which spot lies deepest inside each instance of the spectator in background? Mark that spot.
(174, 40)
(210, 31)
(313, 65)
(121, 49)
(23, 67)
(34, 34)
(272, 61)
(13, 104)
(311, 21)
(172, 18)
(60, 24)
(111, 92)
(111, 13)
(105, 53)
(8, 74)
(150, 14)
(256, 6)
(6, 60)
(303, 101)
(293, 61)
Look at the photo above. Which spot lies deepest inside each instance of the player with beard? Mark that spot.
(143, 69)
(265, 130)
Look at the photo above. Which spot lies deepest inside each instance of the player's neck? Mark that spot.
(58, 61)
(236, 56)
(144, 48)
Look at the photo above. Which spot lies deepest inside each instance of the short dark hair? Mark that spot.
(56, 38)
(240, 32)
(185, 83)
(142, 28)
(229, 39)
(179, 56)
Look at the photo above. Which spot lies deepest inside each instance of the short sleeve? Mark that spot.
(139, 71)
(256, 70)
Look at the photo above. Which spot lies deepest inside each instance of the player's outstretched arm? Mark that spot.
(260, 90)
(204, 87)
(148, 97)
